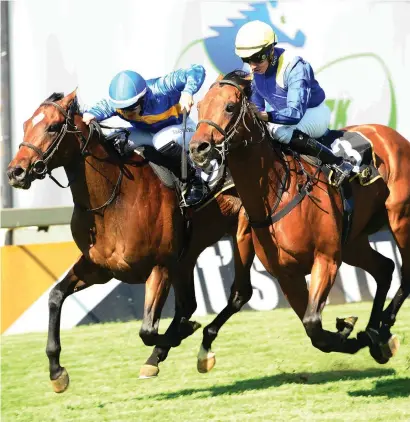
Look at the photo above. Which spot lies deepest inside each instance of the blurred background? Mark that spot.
(359, 49)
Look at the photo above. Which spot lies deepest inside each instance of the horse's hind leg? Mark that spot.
(241, 292)
(83, 274)
(360, 254)
(399, 219)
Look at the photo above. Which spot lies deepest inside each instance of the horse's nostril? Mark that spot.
(16, 173)
(203, 147)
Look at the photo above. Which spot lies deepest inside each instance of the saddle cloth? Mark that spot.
(356, 148)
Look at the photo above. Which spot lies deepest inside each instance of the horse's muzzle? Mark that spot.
(200, 152)
(18, 177)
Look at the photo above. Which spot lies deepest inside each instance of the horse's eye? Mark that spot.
(230, 107)
(54, 128)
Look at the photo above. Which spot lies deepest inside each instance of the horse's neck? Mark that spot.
(95, 173)
(258, 171)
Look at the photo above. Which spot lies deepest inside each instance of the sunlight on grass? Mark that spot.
(266, 370)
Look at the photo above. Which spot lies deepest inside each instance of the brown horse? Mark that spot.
(296, 216)
(129, 226)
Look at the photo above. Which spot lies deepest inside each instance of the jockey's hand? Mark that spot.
(263, 115)
(186, 101)
(87, 117)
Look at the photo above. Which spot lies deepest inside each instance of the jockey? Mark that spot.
(154, 107)
(287, 83)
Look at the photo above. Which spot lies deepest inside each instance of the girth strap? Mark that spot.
(272, 219)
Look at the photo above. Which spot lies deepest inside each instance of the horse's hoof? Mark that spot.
(206, 360)
(148, 371)
(377, 355)
(390, 348)
(61, 383)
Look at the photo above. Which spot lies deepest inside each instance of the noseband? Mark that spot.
(226, 145)
(40, 166)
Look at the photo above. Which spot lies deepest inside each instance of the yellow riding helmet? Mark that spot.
(253, 37)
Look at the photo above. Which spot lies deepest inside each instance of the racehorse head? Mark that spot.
(227, 119)
(43, 148)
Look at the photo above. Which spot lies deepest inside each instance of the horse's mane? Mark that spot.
(74, 107)
(242, 78)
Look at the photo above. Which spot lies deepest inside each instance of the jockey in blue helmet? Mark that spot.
(154, 107)
(287, 83)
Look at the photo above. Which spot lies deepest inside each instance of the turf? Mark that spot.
(267, 370)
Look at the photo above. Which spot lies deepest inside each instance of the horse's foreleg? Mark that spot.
(180, 327)
(361, 254)
(150, 369)
(82, 275)
(156, 292)
(322, 279)
(241, 292)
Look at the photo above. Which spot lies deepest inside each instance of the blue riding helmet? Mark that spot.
(126, 88)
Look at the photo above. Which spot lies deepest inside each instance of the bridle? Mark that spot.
(40, 166)
(227, 145)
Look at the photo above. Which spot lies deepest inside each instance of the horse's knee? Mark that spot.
(148, 335)
(55, 299)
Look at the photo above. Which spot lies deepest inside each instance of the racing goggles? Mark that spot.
(134, 106)
(257, 57)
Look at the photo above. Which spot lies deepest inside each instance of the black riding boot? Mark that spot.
(303, 144)
(195, 189)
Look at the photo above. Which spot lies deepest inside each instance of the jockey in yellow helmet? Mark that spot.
(287, 83)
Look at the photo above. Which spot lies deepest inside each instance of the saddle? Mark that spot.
(355, 148)
(164, 168)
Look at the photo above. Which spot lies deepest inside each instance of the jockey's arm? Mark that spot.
(298, 93)
(257, 99)
(100, 111)
(186, 81)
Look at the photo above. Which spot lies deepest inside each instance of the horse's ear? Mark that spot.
(220, 77)
(68, 99)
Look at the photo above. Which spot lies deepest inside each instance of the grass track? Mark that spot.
(266, 370)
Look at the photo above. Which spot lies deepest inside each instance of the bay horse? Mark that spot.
(129, 226)
(296, 216)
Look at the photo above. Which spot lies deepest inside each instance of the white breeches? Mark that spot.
(163, 137)
(314, 123)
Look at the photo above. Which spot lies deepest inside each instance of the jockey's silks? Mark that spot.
(288, 86)
(161, 102)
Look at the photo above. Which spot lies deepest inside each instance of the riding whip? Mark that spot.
(184, 163)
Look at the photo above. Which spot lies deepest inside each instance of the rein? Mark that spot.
(40, 166)
(226, 145)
